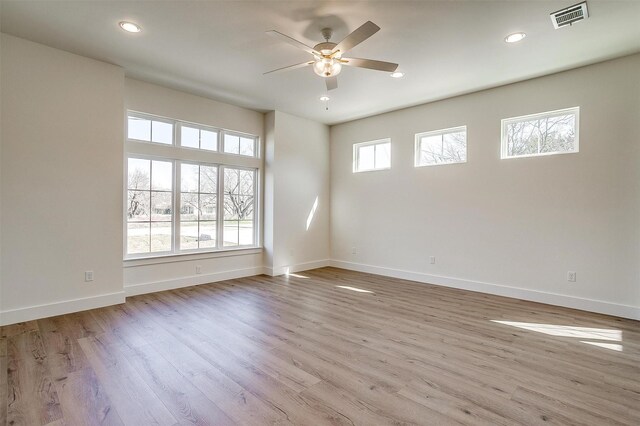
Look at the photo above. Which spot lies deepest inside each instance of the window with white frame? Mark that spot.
(374, 155)
(198, 137)
(189, 201)
(447, 146)
(553, 132)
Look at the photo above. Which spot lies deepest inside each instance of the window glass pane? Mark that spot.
(189, 177)
(246, 182)
(188, 206)
(454, 147)
(162, 132)
(139, 128)
(139, 173)
(231, 206)
(208, 140)
(542, 134)
(160, 206)
(208, 179)
(161, 175)
(160, 236)
(247, 146)
(189, 137)
(246, 234)
(231, 144)
(366, 157)
(230, 233)
(245, 207)
(138, 238)
(383, 157)
(138, 206)
(188, 235)
(207, 237)
(207, 207)
(231, 182)
(431, 149)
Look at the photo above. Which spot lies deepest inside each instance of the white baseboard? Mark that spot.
(624, 311)
(152, 287)
(281, 270)
(29, 313)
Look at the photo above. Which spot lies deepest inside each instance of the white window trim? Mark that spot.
(356, 153)
(418, 136)
(177, 155)
(505, 121)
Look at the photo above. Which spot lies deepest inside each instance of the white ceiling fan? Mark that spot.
(327, 56)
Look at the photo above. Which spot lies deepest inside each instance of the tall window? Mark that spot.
(239, 198)
(178, 205)
(149, 206)
(554, 132)
(446, 146)
(374, 155)
(198, 206)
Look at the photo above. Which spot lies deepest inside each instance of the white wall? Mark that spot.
(61, 181)
(518, 223)
(142, 276)
(297, 172)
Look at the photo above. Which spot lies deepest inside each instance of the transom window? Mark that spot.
(198, 137)
(553, 132)
(178, 204)
(448, 146)
(374, 155)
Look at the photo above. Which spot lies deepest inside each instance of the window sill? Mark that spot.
(185, 257)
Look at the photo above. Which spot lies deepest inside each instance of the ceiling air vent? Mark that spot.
(569, 15)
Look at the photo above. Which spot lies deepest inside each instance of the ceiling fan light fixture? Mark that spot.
(327, 67)
(130, 27)
(324, 98)
(397, 74)
(515, 37)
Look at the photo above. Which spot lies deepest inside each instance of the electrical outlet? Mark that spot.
(354, 250)
(432, 260)
(88, 276)
(571, 276)
(198, 269)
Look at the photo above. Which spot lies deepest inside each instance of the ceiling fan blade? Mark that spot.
(290, 67)
(293, 42)
(332, 82)
(370, 64)
(365, 31)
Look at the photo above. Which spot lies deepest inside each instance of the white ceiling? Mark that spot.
(220, 49)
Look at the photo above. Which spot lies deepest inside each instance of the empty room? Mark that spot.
(319, 212)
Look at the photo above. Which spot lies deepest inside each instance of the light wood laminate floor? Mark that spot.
(323, 347)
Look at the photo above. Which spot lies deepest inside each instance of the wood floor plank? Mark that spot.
(308, 349)
(32, 398)
(83, 400)
(134, 400)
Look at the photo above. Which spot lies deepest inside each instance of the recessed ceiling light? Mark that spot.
(515, 37)
(397, 74)
(324, 98)
(130, 27)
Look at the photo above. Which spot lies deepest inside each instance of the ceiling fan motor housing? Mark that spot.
(325, 48)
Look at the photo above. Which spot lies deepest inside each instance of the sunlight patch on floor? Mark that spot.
(600, 337)
(356, 289)
(612, 346)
